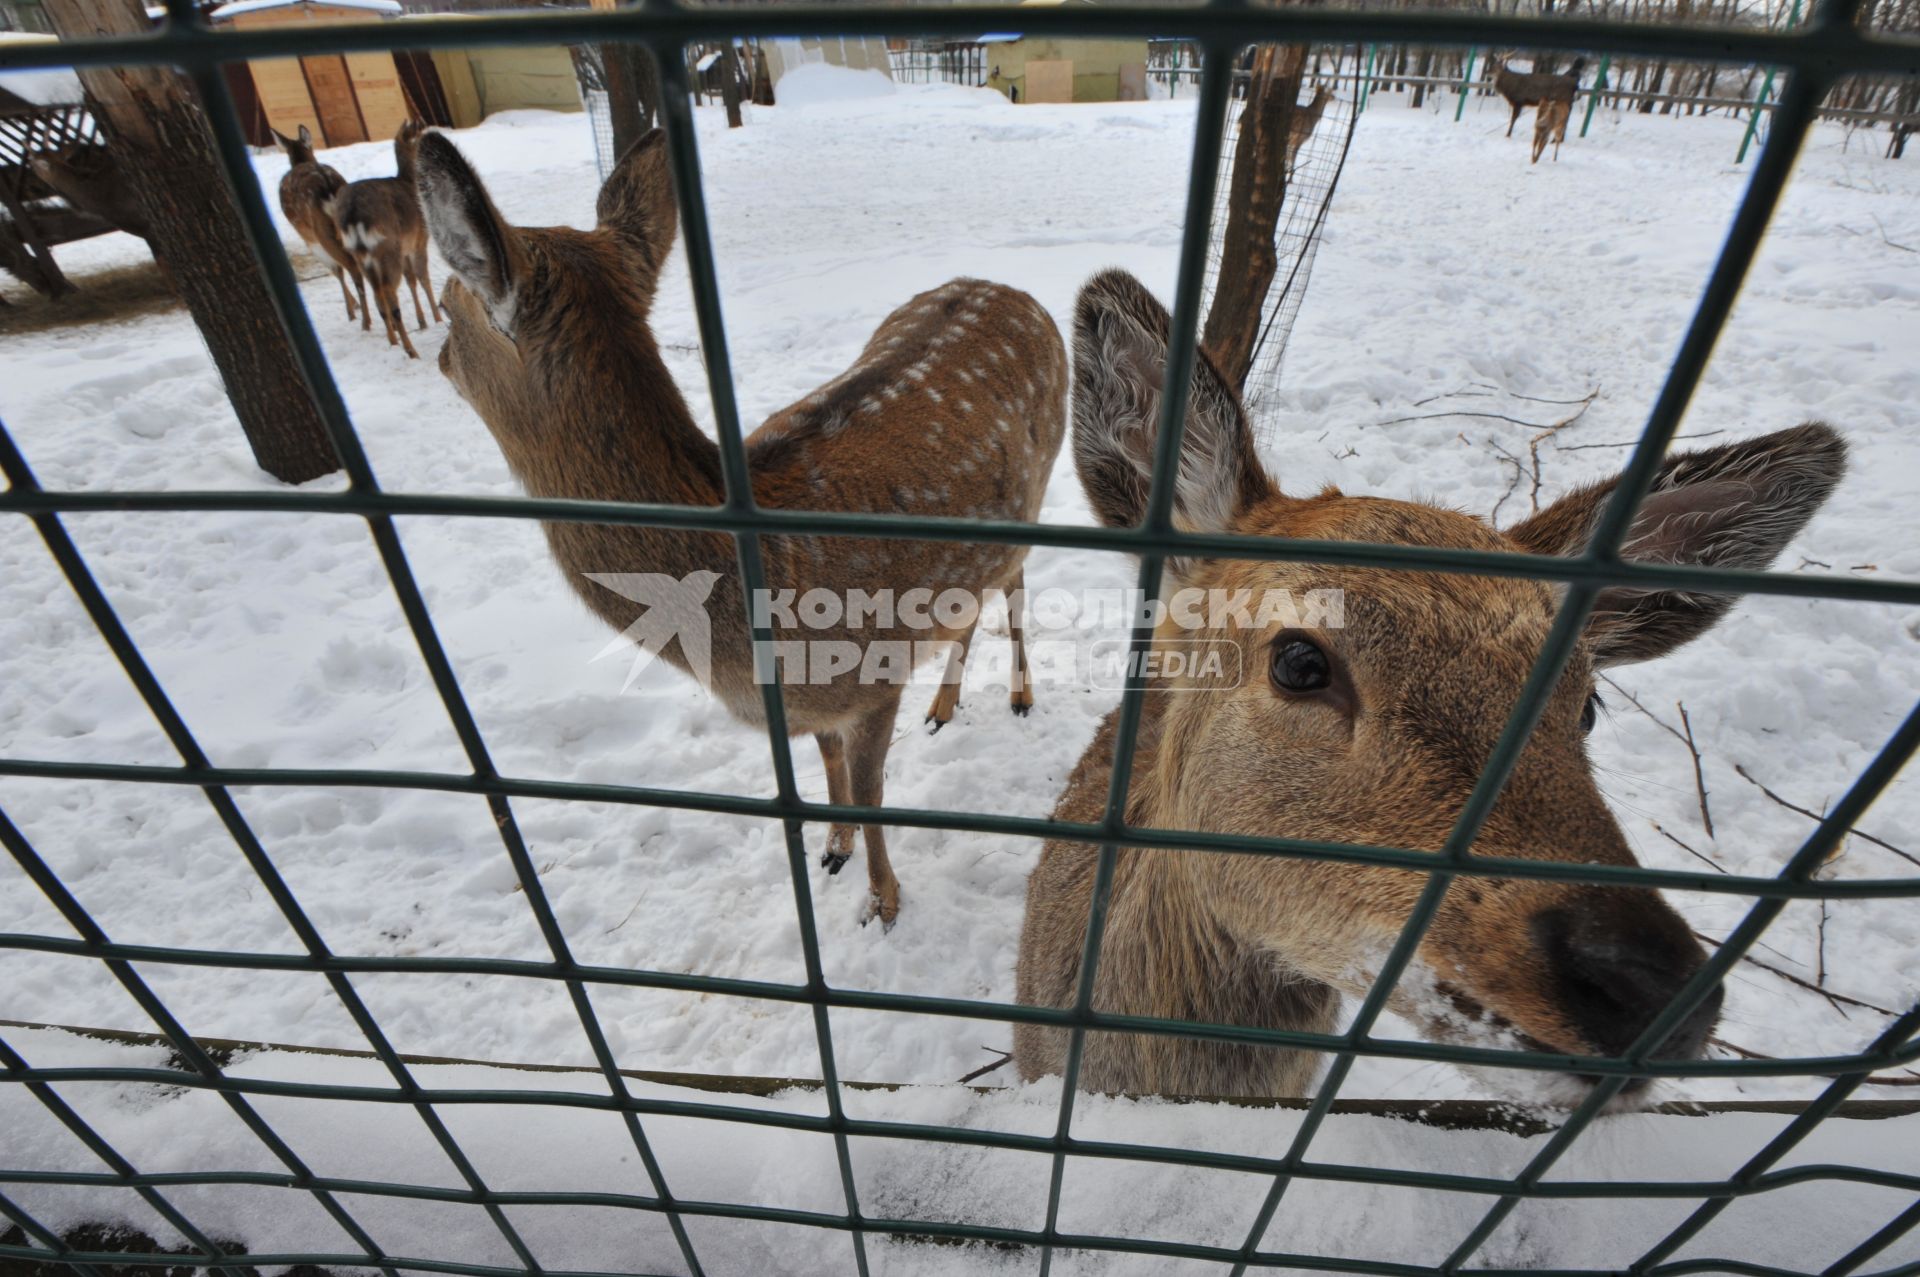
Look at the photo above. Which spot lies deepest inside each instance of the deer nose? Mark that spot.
(1616, 965)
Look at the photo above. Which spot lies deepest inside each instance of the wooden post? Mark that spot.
(158, 136)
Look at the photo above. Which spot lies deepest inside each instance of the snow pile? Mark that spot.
(549, 1148)
(49, 86)
(234, 8)
(819, 83)
(279, 639)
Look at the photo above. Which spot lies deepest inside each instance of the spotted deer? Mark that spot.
(1550, 124)
(957, 406)
(380, 224)
(1523, 89)
(1371, 732)
(307, 192)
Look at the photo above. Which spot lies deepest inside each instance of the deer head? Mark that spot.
(299, 150)
(1375, 732)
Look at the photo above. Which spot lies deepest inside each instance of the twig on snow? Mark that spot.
(1834, 998)
(1811, 815)
(1711, 863)
(985, 1069)
(1685, 738)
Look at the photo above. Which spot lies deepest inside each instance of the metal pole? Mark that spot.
(1466, 78)
(1366, 81)
(1766, 89)
(1599, 83)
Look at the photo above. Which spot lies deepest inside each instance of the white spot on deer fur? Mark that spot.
(1001, 424)
(869, 406)
(965, 406)
(963, 375)
(993, 356)
(933, 394)
(918, 372)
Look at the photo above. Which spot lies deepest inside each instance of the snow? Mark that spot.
(553, 1148)
(49, 86)
(818, 83)
(1450, 264)
(234, 8)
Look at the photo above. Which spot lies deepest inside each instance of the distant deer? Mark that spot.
(1525, 89)
(1305, 120)
(957, 406)
(306, 194)
(1550, 121)
(1374, 732)
(380, 224)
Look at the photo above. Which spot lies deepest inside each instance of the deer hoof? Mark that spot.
(885, 908)
(934, 724)
(834, 861)
(1022, 708)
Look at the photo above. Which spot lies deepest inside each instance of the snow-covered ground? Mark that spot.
(1453, 276)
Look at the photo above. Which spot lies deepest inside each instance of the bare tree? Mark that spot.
(159, 138)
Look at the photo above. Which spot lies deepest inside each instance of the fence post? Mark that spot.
(1366, 81)
(1759, 102)
(1599, 83)
(1466, 78)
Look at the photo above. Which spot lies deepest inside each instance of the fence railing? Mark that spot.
(1827, 47)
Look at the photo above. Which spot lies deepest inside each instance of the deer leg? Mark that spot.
(360, 286)
(833, 752)
(413, 288)
(1020, 685)
(1514, 119)
(426, 282)
(866, 742)
(340, 277)
(947, 699)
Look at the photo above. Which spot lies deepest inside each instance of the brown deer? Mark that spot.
(1523, 89)
(306, 195)
(379, 222)
(1305, 120)
(1550, 122)
(957, 406)
(1373, 732)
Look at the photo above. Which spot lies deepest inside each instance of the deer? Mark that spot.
(307, 192)
(1550, 122)
(956, 406)
(1372, 731)
(379, 222)
(1532, 88)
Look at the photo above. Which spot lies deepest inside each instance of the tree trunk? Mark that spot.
(159, 138)
(762, 78)
(1255, 193)
(729, 84)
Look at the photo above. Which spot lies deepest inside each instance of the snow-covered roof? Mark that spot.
(47, 86)
(235, 8)
(707, 60)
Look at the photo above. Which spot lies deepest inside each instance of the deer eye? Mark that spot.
(1300, 667)
(1590, 712)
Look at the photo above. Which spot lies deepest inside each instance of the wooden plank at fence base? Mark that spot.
(332, 90)
(282, 88)
(376, 87)
(1050, 81)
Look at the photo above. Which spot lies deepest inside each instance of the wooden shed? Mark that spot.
(1066, 68)
(341, 98)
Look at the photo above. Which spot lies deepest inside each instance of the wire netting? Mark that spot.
(1830, 45)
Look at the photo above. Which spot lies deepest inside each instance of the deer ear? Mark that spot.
(468, 230)
(306, 138)
(1119, 363)
(636, 202)
(1735, 506)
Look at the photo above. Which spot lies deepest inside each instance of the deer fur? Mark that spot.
(1305, 120)
(1550, 124)
(1523, 89)
(380, 224)
(306, 195)
(957, 406)
(1424, 673)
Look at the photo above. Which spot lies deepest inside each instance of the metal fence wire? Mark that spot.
(1815, 56)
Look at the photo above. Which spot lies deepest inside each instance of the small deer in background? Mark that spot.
(957, 406)
(1532, 88)
(380, 224)
(1550, 122)
(306, 194)
(1301, 126)
(1372, 729)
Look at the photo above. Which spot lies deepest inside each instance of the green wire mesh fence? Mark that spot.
(1831, 44)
